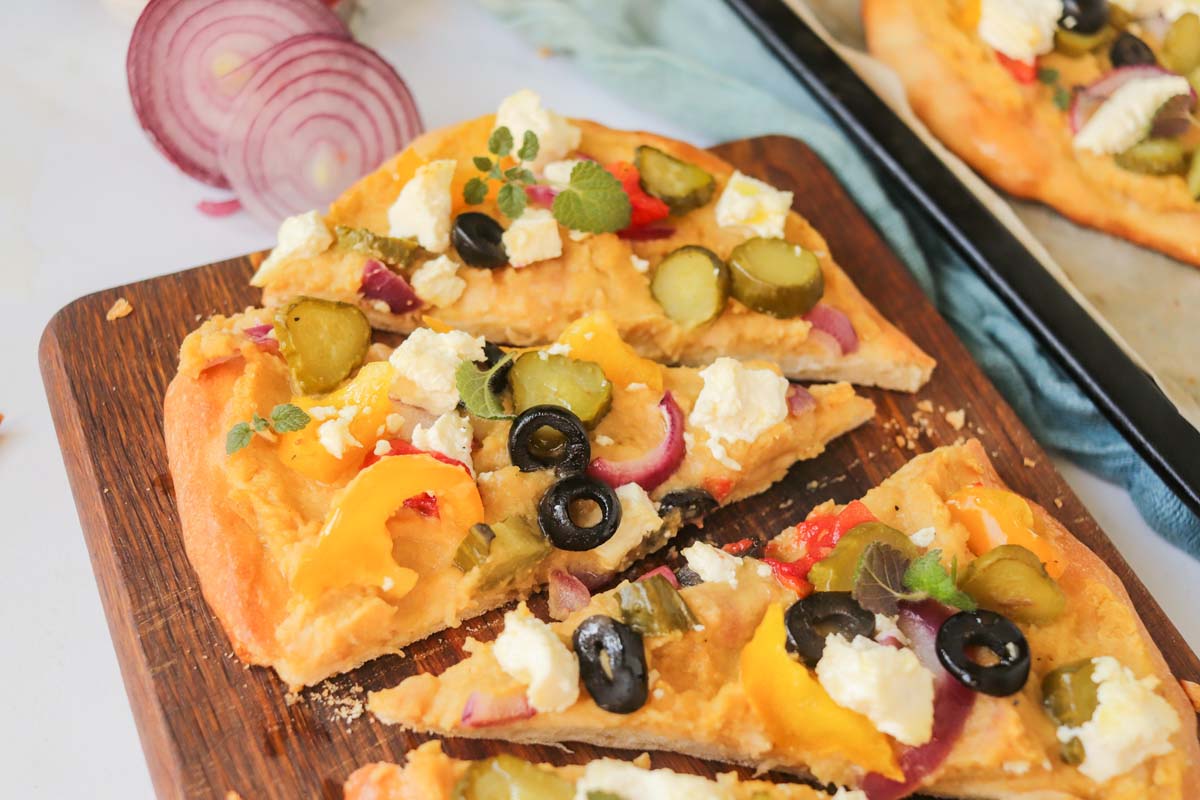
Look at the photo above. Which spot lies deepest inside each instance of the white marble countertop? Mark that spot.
(87, 203)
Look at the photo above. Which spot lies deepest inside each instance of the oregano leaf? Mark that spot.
(258, 424)
(512, 200)
(476, 388)
(529, 147)
(519, 174)
(482, 163)
(879, 579)
(475, 191)
(927, 576)
(239, 436)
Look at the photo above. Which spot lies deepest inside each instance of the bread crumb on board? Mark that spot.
(121, 308)
(1192, 690)
(1029, 462)
(957, 419)
(925, 405)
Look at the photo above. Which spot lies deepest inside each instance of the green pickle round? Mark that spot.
(322, 341)
(682, 186)
(538, 378)
(691, 284)
(835, 572)
(1012, 581)
(776, 277)
(1181, 46)
(1070, 698)
(506, 777)
(1155, 157)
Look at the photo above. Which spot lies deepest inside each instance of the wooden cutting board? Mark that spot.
(210, 724)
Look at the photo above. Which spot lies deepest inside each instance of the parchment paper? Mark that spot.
(1148, 303)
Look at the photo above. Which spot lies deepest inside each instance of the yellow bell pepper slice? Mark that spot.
(799, 714)
(595, 338)
(994, 517)
(355, 546)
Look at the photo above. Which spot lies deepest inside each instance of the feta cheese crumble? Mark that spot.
(623, 779)
(425, 364)
(450, 434)
(437, 282)
(712, 564)
(334, 433)
(1131, 722)
(885, 684)
(737, 404)
(423, 207)
(1020, 29)
(522, 112)
(558, 173)
(750, 203)
(1125, 119)
(639, 264)
(301, 236)
(923, 538)
(604, 441)
(530, 652)
(532, 237)
(639, 519)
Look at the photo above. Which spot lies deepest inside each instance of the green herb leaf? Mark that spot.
(879, 579)
(286, 417)
(512, 200)
(500, 142)
(927, 575)
(519, 174)
(1062, 98)
(238, 437)
(482, 163)
(529, 147)
(258, 423)
(597, 795)
(1047, 76)
(475, 191)
(494, 173)
(593, 201)
(477, 392)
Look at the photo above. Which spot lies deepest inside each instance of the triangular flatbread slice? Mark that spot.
(572, 273)
(879, 711)
(328, 529)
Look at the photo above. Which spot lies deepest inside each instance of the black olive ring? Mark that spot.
(623, 687)
(478, 240)
(692, 504)
(811, 619)
(998, 634)
(573, 456)
(554, 513)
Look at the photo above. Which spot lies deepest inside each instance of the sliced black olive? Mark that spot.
(554, 513)
(618, 683)
(813, 618)
(1083, 16)
(692, 504)
(477, 239)
(569, 458)
(688, 576)
(1130, 51)
(987, 629)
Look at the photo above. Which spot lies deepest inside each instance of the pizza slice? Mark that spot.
(340, 499)
(514, 225)
(1087, 106)
(942, 635)
(429, 774)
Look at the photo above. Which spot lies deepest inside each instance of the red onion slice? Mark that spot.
(828, 319)
(1174, 118)
(318, 113)
(380, 283)
(652, 469)
(179, 64)
(1094, 94)
(664, 571)
(800, 401)
(647, 233)
(219, 208)
(540, 194)
(261, 336)
(567, 594)
(483, 709)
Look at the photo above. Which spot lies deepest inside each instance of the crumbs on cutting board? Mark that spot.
(345, 706)
(121, 308)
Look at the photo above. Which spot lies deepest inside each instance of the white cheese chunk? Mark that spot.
(1131, 722)
(737, 404)
(532, 237)
(887, 685)
(423, 207)
(849, 794)
(334, 433)
(558, 173)
(886, 628)
(522, 112)
(750, 203)
(639, 264)
(923, 538)
(530, 652)
(639, 519)
(604, 441)
(302, 236)
(450, 434)
(425, 364)
(1020, 29)
(437, 282)
(626, 780)
(1174, 9)
(712, 564)
(1125, 119)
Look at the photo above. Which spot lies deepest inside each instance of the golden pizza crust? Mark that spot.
(1015, 137)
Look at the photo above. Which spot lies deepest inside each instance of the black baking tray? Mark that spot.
(1125, 394)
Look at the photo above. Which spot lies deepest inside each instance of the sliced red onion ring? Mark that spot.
(664, 571)
(483, 709)
(647, 233)
(380, 283)
(652, 469)
(318, 113)
(567, 594)
(800, 401)
(1174, 118)
(179, 64)
(261, 336)
(1094, 94)
(219, 208)
(541, 194)
(828, 319)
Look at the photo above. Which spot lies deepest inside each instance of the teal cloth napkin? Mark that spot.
(695, 62)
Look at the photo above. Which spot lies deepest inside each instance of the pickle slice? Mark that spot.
(1070, 697)
(506, 777)
(682, 186)
(538, 378)
(473, 551)
(322, 341)
(776, 277)
(1073, 43)
(1011, 580)
(501, 551)
(691, 284)
(836, 572)
(388, 249)
(1181, 47)
(653, 607)
(1154, 157)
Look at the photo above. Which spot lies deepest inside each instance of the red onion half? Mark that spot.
(567, 594)
(540, 194)
(665, 572)
(652, 469)
(180, 62)
(1094, 94)
(380, 283)
(261, 336)
(829, 320)
(483, 709)
(800, 401)
(318, 113)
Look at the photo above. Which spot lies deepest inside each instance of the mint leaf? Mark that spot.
(529, 147)
(500, 142)
(475, 387)
(475, 191)
(593, 201)
(482, 163)
(1047, 76)
(286, 418)
(928, 576)
(238, 437)
(879, 579)
(257, 423)
(512, 200)
(519, 174)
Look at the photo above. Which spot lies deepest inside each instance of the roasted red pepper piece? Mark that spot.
(645, 208)
(425, 504)
(403, 448)
(792, 554)
(1024, 71)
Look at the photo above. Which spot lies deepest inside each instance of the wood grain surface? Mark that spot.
(209, 724)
